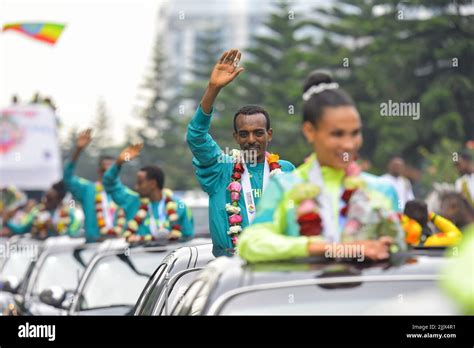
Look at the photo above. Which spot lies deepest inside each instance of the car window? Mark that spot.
(368, 298)
(118, 280)
(16, 265)
(178, 289)
(63, 269)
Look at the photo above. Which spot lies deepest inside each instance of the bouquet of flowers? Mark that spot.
(369, 217)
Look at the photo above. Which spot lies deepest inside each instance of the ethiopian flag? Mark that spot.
(46, 32)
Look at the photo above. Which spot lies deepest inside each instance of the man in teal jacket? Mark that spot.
(52, 217)
(152, 211)
(230, 212)
(99, 210)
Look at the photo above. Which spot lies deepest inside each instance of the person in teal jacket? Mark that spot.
(100, 213)
(152, 211)
(234, 182)
(52, 217)
(326, 204)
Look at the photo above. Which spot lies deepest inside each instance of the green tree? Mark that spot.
(152, 118)
(101, 130)
(162, 129)
(398, 54)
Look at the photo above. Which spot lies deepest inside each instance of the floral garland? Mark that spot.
(99, 211)
(235, 187)
(171, 212)
(305, 197)
(42, 216)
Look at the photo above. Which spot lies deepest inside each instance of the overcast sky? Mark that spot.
(103, 52)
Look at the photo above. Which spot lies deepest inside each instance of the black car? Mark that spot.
(171, 279)
(407, 284)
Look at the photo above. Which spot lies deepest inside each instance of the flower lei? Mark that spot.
(235, 187)
(99, 212)
(171, 212)
(39, 224)
(305, 197)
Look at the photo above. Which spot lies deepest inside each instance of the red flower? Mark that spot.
(171, 211)
(309, 217)
(138, 220)
(274, 165)
(310, 224)
(236, 176)
(346, 196)
(344, 210)
(176, 227)
(308, 229)
(144, 207)
(238, 167)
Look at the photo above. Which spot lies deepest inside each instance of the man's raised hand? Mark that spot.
(129, 153)
(84, 138)
(226, 69)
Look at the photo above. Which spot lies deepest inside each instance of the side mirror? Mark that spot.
(53, 296)
(11, 284)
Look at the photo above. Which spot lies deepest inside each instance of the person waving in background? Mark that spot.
(100, 212)
(152, 211)
(234, 182)
(326, 201)
(52, 217)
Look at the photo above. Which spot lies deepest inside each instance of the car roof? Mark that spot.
(229, 273)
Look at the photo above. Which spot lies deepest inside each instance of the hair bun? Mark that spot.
(317, 77)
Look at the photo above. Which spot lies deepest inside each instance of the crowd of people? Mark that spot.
(260, 206)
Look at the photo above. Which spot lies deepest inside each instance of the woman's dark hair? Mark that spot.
(313, 108)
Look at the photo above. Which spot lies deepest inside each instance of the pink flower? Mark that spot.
(307, 206)
(352, 226)
(234, 186)
(235, 219)
(353, 169)
(234, 240)
(234, 196)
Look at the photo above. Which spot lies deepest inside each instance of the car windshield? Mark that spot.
(17, 263)
(63, 269)
(368, 298)
(118, 280)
